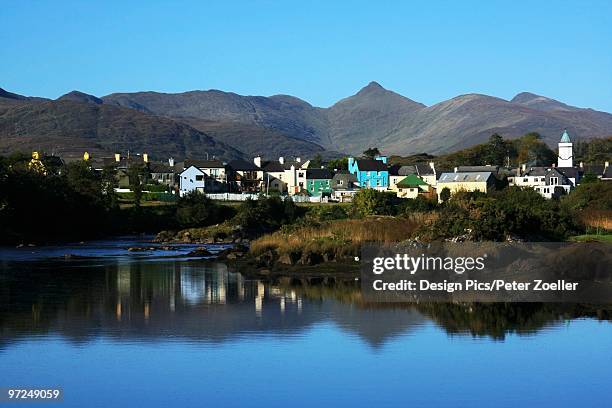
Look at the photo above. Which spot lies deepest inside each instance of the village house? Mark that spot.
(163, 173)
(370, 173)
(215, 169)
(412, 186)
(318, 181)
(553, 181)
(344, 186)
(555, 184)
(192, 179)
(455, 182)
(285, 176)
(245, 176)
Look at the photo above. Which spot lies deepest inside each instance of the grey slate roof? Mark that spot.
(596, 169)
(243, 165)
(273, 167)
(424, 169)
(569, 172)
(537, 171)
(465, 177)
(204, 164)
(494, 169)
(318, 174)
(370, 165)
(407, 170)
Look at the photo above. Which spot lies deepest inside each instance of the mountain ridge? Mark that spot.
(372, 117)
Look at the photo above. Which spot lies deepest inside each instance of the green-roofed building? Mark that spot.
(411, 186)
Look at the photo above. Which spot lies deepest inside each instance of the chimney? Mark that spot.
(281, 160)
(171, 162)
(298, 159)
(433, 166)
(456, 169)
(257, 161)
(381, 158)
(145, 157)
(523, 168)
(607, 164)
(582, 165)
(117, 157)
(85, 156)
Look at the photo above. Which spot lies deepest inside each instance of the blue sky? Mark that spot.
(320, 51)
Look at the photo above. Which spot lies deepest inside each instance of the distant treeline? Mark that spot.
(527, 149)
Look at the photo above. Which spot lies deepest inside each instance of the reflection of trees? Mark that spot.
(499, 319)
(495, 320)
(208, 302)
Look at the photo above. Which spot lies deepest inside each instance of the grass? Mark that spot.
(336, 239)
(606, 237)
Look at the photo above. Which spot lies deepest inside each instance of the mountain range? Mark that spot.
(229, 125)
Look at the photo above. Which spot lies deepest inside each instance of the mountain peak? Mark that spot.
(78, 96)
(523, 97)
(540, 102)
(371, 87)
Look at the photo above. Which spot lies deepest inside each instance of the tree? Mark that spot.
(495, 150)
(373, 202)
(316, 161)
(135, 175)
(338, 164)
(445, 194)
(371, 153)
(196, 210)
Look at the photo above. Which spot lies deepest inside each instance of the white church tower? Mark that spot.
(566, 155)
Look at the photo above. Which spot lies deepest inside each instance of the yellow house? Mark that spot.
(411, 186)
(473, 181)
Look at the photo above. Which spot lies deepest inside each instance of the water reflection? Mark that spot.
(196, 301)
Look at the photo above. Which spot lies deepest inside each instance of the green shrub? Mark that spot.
(373, 202)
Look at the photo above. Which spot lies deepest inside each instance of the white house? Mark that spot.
(192, 179)
(555, 184)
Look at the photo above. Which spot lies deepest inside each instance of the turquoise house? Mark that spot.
(318, 181)
(370, 173)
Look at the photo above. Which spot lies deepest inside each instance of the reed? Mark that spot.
(600, 220)
(340, 237)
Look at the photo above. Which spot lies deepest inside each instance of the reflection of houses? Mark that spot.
(455, 182)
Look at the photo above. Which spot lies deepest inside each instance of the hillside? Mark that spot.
(229, 124)
(377, 116)
(70, 128)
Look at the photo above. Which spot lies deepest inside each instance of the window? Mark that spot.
(199, 178)
(554, 181)
(525, 180)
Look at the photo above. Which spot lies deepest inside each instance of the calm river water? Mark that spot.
(135, 329)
